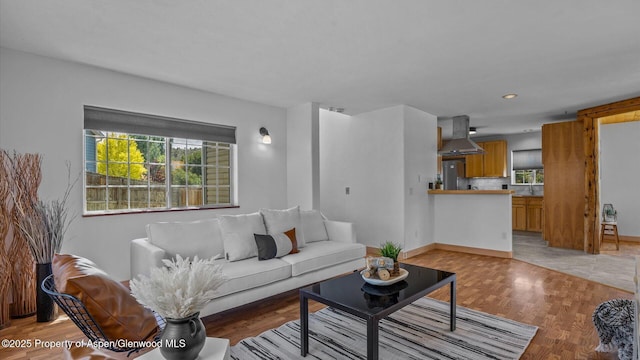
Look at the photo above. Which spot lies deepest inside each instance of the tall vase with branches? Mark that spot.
(43, 225)
(25, 177)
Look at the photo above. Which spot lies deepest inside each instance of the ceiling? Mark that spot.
(444, 57)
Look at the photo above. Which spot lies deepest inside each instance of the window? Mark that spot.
(533, 176)
(527, 167)
(146, 169)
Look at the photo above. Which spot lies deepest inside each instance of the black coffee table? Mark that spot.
(351, 294)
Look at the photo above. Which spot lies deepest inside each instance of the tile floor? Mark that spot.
(611, 267)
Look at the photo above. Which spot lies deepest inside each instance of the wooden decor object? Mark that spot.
(5, 223)
(26, 176)
(591, 121)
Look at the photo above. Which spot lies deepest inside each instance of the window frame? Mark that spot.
(533, 164)
(534, 176)
(105, 117)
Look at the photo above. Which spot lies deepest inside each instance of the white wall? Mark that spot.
(420, 159)
(335, 166)
(303, 157)
(41, 111)
(373, 157)
(620, 172)
(474, 220)
(385, 157)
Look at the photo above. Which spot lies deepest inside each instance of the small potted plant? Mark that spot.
(609, 214)
(392, 250)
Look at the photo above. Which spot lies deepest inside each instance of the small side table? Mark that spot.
(610, 228)
(214, 349)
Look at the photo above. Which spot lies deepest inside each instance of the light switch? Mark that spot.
(347, 190)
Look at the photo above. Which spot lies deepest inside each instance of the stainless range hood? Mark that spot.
(460, 144)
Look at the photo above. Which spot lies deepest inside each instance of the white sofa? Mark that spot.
(327, 249)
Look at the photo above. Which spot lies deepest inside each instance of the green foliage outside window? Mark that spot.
(533, 176)
(179, 177)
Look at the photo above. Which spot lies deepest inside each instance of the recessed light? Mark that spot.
(472, 130)
(509, 96)
(336, 109)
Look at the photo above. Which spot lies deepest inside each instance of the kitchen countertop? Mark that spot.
(520, 195)
(470, 192)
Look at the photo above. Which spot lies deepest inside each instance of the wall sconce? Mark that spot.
(266, 138)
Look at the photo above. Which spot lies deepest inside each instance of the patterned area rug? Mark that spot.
(418, 331)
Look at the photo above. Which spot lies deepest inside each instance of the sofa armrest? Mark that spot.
(340, 231)
(144, 256)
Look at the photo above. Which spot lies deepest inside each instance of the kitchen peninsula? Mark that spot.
(474, 221)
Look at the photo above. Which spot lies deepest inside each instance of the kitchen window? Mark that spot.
(527, 167)
(137, 162)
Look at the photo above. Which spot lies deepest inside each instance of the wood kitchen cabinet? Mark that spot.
(534, 214)
(495, 158)
(474, 165)
(527, 213)
(493, 163)
(519, 213)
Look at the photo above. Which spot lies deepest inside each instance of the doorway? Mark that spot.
(619, 169)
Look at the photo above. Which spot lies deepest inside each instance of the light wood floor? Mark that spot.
(627, 248)
(560, 305)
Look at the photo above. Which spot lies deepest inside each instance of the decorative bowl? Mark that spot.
(375, 281)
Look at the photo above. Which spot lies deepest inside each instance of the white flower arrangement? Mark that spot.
(180, 289)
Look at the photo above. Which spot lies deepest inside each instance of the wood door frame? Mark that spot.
(590, 118)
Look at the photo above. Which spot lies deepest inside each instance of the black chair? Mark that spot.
(77, 312)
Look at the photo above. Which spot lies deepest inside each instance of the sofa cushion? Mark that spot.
(272, 246)
(109, 302)
(188, 238)
(237, 235)
(291, 234)
(313, 226)
(279, 221)
(252, 273)
(321, 254)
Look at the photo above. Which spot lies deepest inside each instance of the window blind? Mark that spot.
(527, 159)
(97, 118)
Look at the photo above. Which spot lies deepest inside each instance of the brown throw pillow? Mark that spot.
(291, 234)
(109, 302)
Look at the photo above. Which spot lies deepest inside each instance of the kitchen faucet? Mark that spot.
(531, 188)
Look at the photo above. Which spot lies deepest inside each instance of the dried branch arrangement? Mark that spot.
(5, 223)
(44, 224)
(30, 230)
(26, 175)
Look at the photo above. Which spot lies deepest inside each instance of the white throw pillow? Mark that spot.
(187, 238)
(279, 221)
(313, 226)
(237, 235)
